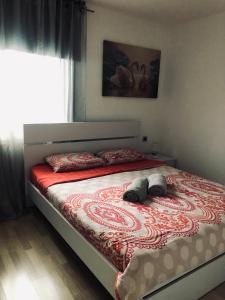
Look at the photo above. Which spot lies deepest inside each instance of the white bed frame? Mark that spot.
(43, 139)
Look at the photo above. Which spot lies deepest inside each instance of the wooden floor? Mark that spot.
(35, 263)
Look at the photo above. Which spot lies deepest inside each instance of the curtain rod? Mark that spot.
(82, 5)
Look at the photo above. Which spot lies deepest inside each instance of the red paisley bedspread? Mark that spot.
(125, 227)
(149, 243)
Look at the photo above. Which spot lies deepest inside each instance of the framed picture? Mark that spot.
(130, 71)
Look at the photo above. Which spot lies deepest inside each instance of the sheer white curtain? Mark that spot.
(32, 90)
(34, 84)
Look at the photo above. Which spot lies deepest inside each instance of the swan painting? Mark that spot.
(130, 71)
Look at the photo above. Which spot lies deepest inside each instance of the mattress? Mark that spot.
(148, 243)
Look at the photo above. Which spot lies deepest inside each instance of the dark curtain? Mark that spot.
(50, 27)
(77, 89)
(12, 194)
(47, 27)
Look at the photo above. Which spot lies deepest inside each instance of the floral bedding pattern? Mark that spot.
(64, 162)
(118, 156)
(149, 243)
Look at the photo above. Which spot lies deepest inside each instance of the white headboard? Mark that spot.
(41, 140)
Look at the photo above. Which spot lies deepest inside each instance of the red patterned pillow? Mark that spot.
(74, 161)
(118, 156)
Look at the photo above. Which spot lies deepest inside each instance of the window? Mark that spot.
(32, 89)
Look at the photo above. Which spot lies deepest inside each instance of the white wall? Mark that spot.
(115, 26)
(188, 118)
(194, 116)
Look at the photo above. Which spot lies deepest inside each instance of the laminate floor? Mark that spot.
(36, 264)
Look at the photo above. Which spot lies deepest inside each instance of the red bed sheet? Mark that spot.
(43, 176)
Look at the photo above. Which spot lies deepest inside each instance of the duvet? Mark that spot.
(149, 243)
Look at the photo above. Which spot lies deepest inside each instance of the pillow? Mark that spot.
(73, 161)
(118, 156)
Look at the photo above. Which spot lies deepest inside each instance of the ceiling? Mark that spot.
(166, 11)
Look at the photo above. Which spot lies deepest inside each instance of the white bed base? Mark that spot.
(43, 139)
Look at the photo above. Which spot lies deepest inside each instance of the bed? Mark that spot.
(195, 277)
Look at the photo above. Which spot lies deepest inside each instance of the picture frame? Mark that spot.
(130, 71)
